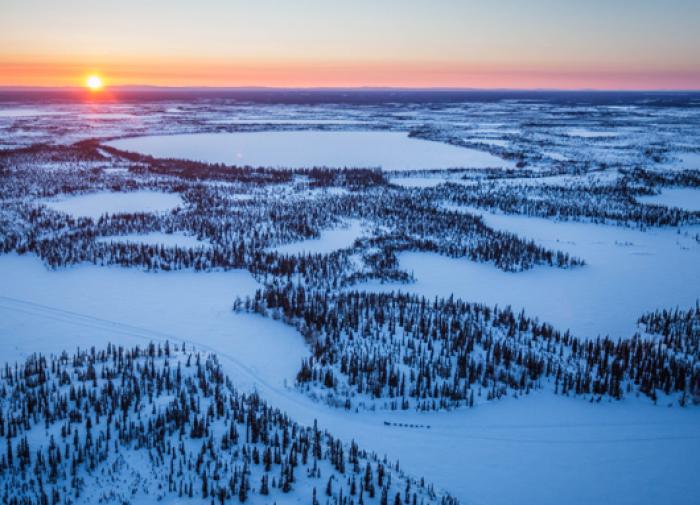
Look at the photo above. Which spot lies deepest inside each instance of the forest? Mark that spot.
(164, 420)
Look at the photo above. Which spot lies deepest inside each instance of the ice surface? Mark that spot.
(683, 198)
(95, 205)
(305, 149)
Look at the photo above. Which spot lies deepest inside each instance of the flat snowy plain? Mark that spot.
(329, 241)
(105, 202)
(301, 149)
(683, 198)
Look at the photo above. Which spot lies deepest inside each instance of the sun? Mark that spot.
(94, 82)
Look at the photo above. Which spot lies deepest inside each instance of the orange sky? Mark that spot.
(346, 74)
(567, 44)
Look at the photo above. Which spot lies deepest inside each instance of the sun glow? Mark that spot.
(94, 82)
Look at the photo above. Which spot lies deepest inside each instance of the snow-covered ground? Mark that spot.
(590, 134)
(329, 241)
(94, 205)
(684, 161)
(305, 149)
(430, 181)
(626, 274)
(571, 442)
(683, 198)
(81, 306)
(418, 182)
(540, 448)
(12, 112)
(572, 449)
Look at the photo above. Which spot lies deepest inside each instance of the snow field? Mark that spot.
(94, 205)
(306, 149)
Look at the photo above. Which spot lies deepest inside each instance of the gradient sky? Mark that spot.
(612, 44)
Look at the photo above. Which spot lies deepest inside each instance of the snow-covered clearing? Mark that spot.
(94, 205)
(329, 241)
(304, 149)
(626, 275)
(683, 198)
(23, 112)
(590, 134)
(573, 449)
(176, 239)
(418, 182)
(85, 305)
(683, 161)
(552, 450)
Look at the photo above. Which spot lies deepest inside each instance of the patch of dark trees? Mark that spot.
(412, 352)
(175, 410)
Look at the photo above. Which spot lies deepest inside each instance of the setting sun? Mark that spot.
(94, 82)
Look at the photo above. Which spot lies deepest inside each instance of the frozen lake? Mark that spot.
(683, 198)
(94, 205)
(305, 149)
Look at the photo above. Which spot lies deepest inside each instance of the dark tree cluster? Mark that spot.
(242, 223)
(677, 330)
(420, 226)
(166, 422)
(650, 179)
(402, 351)
(595, 202)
